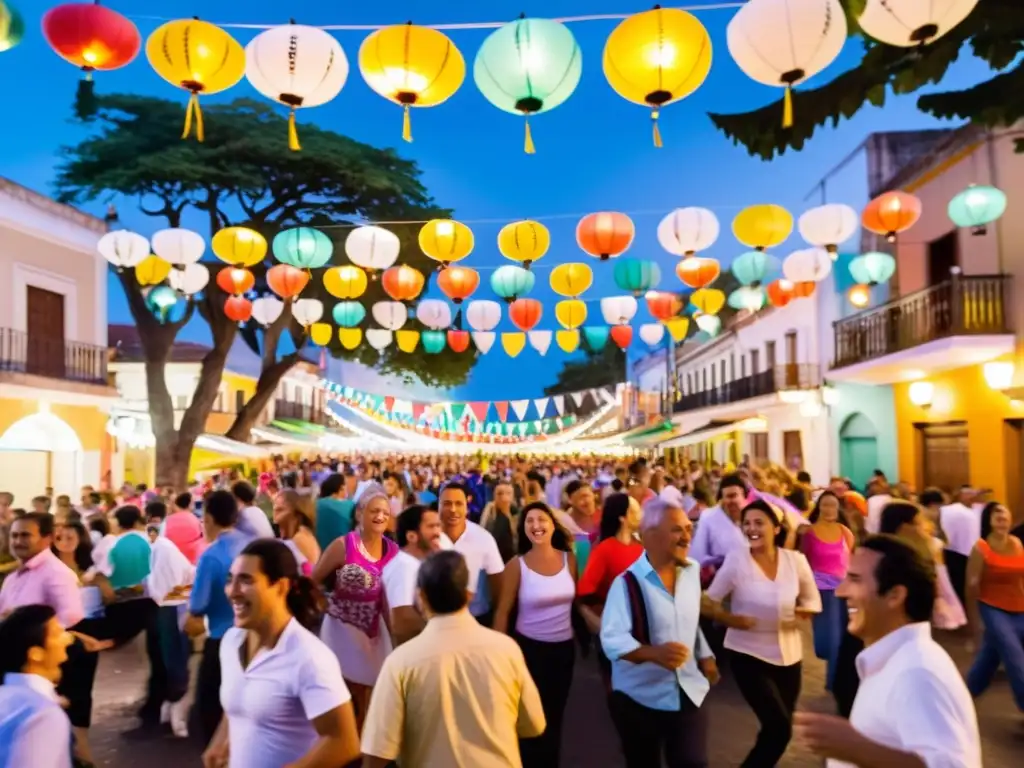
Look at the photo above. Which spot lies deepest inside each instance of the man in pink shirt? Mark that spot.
(40, 578)
(184, 529)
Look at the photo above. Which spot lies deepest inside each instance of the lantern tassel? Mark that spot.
(656, 129)
(787, 108)
(193, 110)
(528, 143)
(293, 133)
(407, 125)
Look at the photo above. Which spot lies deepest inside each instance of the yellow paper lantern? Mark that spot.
(198, 56)
(321, 334)
(568, 341)
(762, 226)
(407, 340)
(571, 313)
(708, 300)
(677, 327)
(350, 337)
(239, 246)
(345, 282)
(412, 66)
(657, 57)
(524, 241)
(446, 240)
(571, 279)
(513, 343)
(152, 270)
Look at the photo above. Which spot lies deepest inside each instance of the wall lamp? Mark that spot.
(921, 393)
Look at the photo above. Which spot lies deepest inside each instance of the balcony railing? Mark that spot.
(52, 358)
(963, 305)
(284, 409)
(782, 377)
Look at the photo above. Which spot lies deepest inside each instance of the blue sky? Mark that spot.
(593, 153)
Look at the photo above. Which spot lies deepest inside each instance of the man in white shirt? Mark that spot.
(912, 709)
(718, 532)
(962, 526)
(477, 546)
(419, 534)
(878, 498)
(252, 521)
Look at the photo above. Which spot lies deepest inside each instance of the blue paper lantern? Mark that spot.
(348, 314)
(754, 268)
(596, 336)
(510, 282)
(636, 275)
(873, 268)
(161, 301)
(977, 206)
(303, 247)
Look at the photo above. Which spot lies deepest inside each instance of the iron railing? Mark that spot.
(285, 409)
(52, 358)
(781, 377)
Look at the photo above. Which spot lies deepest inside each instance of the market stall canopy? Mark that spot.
(651, 435)
(714, 429)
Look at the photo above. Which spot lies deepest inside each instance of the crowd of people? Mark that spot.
(430, 611)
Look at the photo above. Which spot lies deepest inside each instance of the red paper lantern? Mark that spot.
(605, 235)
(891, 213)
(287, 281)
(90, 36)
(458, 340)
(780, 292)
(235, 280)
(402, 283)
(663, 305)
(525, 313)
(238, 309)
(458, 283)
(622, 335)
(804, 289)
(697, 271)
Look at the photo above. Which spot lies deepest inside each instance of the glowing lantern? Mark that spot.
(483, 315)
(807, 265)
(873, 268)
(350, 337)
(433, 342)
(407, 340)
(527, 67)
(458, 341)
(747, 297)
(302, 247)
(605, 235)
(190, 279)
(780, 292)
(199, 57)
(708, 301)
(240, 246)
(697, 271)
(458, 283)
(390, 314)
(622, 335)
(372, 248)
(618, 310)
(525, 313)
(571, 313)
(411, 66)
(753, 267)
(688, 230)
(762, 226)
(434, 314)
(678, 327)
(663, 305)
(596, 337)
(524, 241)
(321, 334)
(652, 334)
(152, 270)
(908, 23)
(307, 311)
(859, 296)
(511, 282)
(297, 66)
(235, 280)
(345, 282)
(379, 338)
(657, 57)
(445, 240)
(348, 314)
(483, 341)
(976, 207)
(287, 281)
(571, 279)
(12, 27)
(827, 226)
(160, 301)
(238, 309)
(567, 341)
(636, 275)
(540, 341)
(266, 310)
(709, 324)
(123, 249)
(402, 283)
(513, 343)
(804, 290)
(891, 213)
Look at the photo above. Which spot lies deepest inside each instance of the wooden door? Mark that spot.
(944, 456)
(943, 255)
(44, 333)
(792, 450)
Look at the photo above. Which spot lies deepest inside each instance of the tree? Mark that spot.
(243, 174)
(597, 369)
(994, 31)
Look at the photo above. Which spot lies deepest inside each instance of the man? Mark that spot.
(962, 526)
(7, 561)
(419, 534)
(458, 695)
(477, 546)
(913, 709)
(719, 531)
(34, 730)
(879, 496)
(252, 521)
(41, 504)
(129, 557)
(661, 673)
(334, 513)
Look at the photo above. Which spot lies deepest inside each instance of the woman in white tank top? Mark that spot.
(540, 586)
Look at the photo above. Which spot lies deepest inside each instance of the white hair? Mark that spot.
(655, 511)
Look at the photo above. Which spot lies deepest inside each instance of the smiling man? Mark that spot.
(479, 548)
(419, 534)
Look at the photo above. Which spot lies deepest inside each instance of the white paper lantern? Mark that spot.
(809, 265)
(483, 315)
(434, 313)
(618, 310)
(266, 310)
(828, 226)
(688, 230)
(379, 338)
(540, 340)
(297, 66)
(123, 248)
(651, 334)
(390, 314)
(908, 23)
(784, 42)
(189, 279)
(307, 311)
(710, 324)
(484, 340)
(372, 248)
(179, 246)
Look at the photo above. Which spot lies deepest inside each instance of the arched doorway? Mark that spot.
(40, 451)
(858, 449)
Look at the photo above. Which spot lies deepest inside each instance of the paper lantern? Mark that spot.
(636, 275)
(287, 281)
(235, 280)
(458, 341)
(89, 36)
(513, 343)
(780, 292)
(540, 341)
(873, 268)
(434, 314)
(976, 207)
(445, 240)
(622, 335)
(527, 67)
(198, 57)
(178, 246)
(307, 311)
(123, 249)
(596, 337)
(710, 324)
(240, 246)
(828, 226)
(372, 248)
(748, 297)
(605, 235)
(754, 267)
(859, 296)
(483, 315)
(708, 301)
(237, 309)
(411, 66)
(12, 27)
(663, 305)
(909, 23)
(152, 270)
(350, 338)
(379, 338)
(891, 213)
(348, 314)
(524, 241)
(321, 334)
(302, 247)
(657, 57)
(266, 310)
(762, 226)
(571, 279)
(567, 341)
(433, 342)
(678, 327)
(571, 313)
(483, 341)
(525, 313)
(297, 66)
(345, 282)
(190, 279)
(804, 290)
(688, 230)
(652, 334)
(390, 314)
(618, 310)
(402, 283)
(458, 283)
(160, 301)
(698, 271)
(511, 282)
(807, 264)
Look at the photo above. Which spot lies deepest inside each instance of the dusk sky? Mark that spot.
(593, 153)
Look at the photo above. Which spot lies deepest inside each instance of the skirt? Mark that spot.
(361, 657)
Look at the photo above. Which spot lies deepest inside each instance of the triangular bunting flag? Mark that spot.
(577, 398)
(389, 403)
(559, 401)
(608, 393)
(519, 408)
(541, 404)
(540, 340)
(502, 409)
(484, 340)
(479, 410)
(456, 410)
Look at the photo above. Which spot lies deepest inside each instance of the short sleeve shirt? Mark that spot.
(482, 558)
(399, 577)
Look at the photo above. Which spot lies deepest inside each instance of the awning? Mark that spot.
(228, 447)
(274, 434)
(715, 429)
(652, 435)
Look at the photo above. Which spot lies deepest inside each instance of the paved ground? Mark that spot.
(589, 739)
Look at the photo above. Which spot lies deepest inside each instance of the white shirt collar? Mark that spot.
(874, 658)
(38, 684)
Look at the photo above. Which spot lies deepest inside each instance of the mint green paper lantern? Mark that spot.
(596, 336)
(510, 282)
(303, 247)
(636, 275)
(873, 268)
(753, 268)
(527, 67)
(348, 314)
(433, 342)
(748, 298)
(976, 207)
(12, 27)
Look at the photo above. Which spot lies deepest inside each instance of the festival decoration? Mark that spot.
(379, 338)
(688, 230)
(622, 335)
(434, 313)
(636, 275)
(652, 334)
(238, 309)
(891, 213)
(407, 340)
(749, 297)
(873, 268)
(753, 267)
(345, 282)
(571, 313)
(350, 338)
(302, 247)
(657, 57)
(540, 341)
(762, 226)
(372, 248)
(348, 314)
(618, 310)
(663, 305)
(571, 279)
(152, 270)
(780, 292)
(239, 246)
(804, 290)
(807, 265)
(235, 280)
(198, 57)
(266, 310)
(527, 67)
(458, 283)
(287, 281)
(297, 66)
(483, 315)
(189, 279)
(433, 342)
(12, 27)
(708, 301)
(568, 341)
(859, 296)
(179, 247)
(605, 235)
(458, 341)
(677, 327)
(510, 282)
(123, 249)
(909, 23)
(160, 301)
(976, 207)
(321, 334)
(513, 343)
(445, 240)
(596, 337)
(402, 283)
(411, 66)
(698, 271)
(307, 311)
(525, 313)
(390, 314)
(524, 241)
(709, 324)
(483, 340)
(828, 226)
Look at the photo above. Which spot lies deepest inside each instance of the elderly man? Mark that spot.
(662, 667)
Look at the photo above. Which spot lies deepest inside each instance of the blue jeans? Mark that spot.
(829, 626)
(175, 648)
(1003, 642)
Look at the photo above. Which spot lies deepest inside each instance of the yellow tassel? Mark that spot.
(407, 125)
(188, 116)
(657, 130)
(787, 108)
(293, 134)
(528, 144)
(200, 133)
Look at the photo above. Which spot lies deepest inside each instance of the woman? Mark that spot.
(499, 518)
(356, 625)
(772, 590)
(827, 544)
(618, 548)
(295, 518)
(541, 583)
(399, 495)
(285, 702)
(995, 598)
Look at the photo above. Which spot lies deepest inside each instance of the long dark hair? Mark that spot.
(777, 518)
(83, 552)
(986, 518)
(616, 507)
(816, 512)
(560, 538)
(305, 601)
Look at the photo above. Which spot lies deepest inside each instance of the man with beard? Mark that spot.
(419, 534)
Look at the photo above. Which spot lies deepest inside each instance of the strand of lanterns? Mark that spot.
(524, 67)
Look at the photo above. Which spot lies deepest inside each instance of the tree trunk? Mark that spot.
(265, 389)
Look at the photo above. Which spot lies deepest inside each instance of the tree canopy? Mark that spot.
(993, 32)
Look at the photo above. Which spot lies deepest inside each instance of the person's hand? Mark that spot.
(180, 592)
(216, 756)
(741, 622)
(828, 736)
(91, 644)
(671, 655)
(194, 626)
(709, 668)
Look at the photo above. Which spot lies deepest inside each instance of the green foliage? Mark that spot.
(596, 369)
(995, 33)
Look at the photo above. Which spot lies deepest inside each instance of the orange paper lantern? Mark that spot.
(605, 235)
(235, 280)
(804, 289)
(458, 341)
(622, 335)
(663, 305)
(238, 309)
(525, 313)
(287, 281)
(780, 292)
(697, 271)
(458, 283)
(402, 283)
(891, 213)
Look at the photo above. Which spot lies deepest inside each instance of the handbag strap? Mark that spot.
(637, 609)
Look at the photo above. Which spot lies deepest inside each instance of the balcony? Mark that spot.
(962, 321)
(52, 358)
(284, 409)
(794, 376)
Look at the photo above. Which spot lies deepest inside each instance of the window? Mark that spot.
(793, 450)
(792, 368)
(239, 400)
(944, 461)
(704, 377)
(769, 354)
(732, 366)
(755, 362)
(743, 366)
(943, 255)
(714, 376)
(721, 372)
(759, 447)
